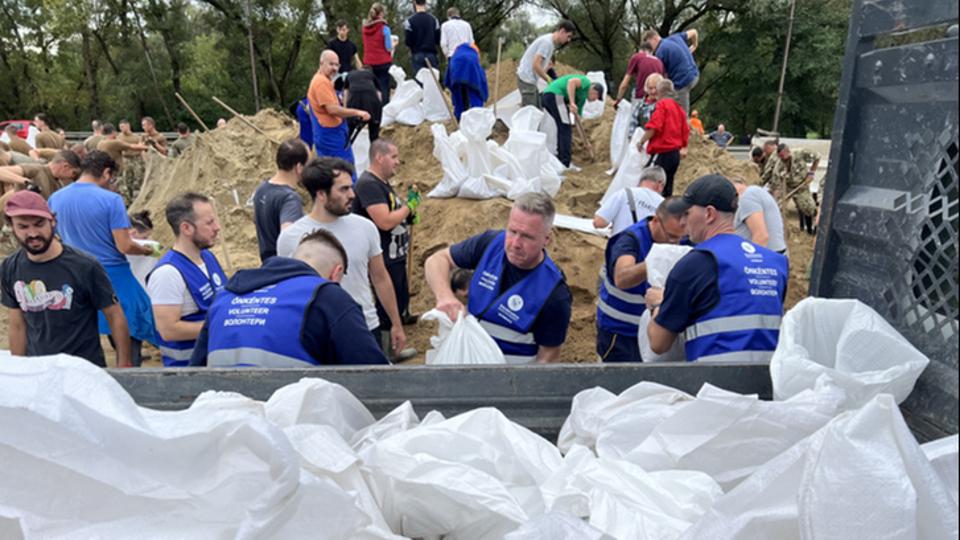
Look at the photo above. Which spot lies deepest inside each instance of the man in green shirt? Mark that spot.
(563, 99)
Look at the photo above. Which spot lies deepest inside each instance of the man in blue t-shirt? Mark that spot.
(726, 296)
(92, 218)
(676, 53)
(517, 293)
(290, 313)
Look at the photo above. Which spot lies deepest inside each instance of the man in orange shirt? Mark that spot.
(695, 122)
(331, 136)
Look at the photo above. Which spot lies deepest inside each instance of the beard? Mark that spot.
(32, 247)
(338, 210)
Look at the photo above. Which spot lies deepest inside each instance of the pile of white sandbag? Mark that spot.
(827, 458)
(415, 101)
(477, 168)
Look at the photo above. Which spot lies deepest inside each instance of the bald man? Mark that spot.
(290, 313)
(331, 135)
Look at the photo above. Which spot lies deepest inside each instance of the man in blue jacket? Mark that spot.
(676, 53)
(517, 292)
(290, 313)
(726, 296)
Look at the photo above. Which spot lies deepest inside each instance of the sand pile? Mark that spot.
(220, 161)
(238, 158)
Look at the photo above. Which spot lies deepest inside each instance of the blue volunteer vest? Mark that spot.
(509, 317)
(745, 324)
(262, 328)
(619, 310)
(202, 288)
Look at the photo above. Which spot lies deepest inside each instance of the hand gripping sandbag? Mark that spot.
(660, 261)
(863, 475)
(465, 342)
(848, 342)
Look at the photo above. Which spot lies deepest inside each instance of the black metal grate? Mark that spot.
(934, 277)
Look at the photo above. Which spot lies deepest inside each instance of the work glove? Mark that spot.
(157, 250)
(413, 202)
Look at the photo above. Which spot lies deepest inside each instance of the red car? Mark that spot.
(23, 127)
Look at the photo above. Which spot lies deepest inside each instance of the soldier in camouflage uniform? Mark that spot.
(792, 171)
(131, 174)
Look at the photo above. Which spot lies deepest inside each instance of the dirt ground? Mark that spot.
(228, 163)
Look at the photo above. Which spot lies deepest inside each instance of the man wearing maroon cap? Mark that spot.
(53, 291)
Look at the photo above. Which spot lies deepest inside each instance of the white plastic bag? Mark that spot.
(943, 455)
(628, 174)
(316, 401)
(465, 342)
(507, 106)
(594, 109)
(725, 434)
(660, 261)
(216, 470)
(454, 173)
(406, 100)
(142, 265)
(557, 526)
(475, 476)
(434, 109)
(626, 502)
(863, 475)
(637, 409)
(619, 136)
(848, 342)
(398, 74)
(361, 150)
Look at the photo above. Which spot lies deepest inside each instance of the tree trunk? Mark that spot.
(90, 72)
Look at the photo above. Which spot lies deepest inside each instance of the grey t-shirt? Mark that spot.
(274, 205)
(543, 46)
(59, 300)
(756, 199)
(361, 240)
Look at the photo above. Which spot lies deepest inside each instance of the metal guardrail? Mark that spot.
(537, 397)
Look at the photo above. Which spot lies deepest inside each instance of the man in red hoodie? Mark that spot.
(378, 48)
(667, 133)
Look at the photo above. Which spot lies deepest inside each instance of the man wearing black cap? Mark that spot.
(726, 296)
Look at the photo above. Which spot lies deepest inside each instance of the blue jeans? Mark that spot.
(617, 348)
(419, 62)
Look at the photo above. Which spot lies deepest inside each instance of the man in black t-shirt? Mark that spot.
(377, 201)
(53, 291)
(346, 51)
(362, 91)
(276, 203)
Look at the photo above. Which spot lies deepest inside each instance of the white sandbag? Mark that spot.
(661, 259)
(407, 96)
(398, 74)
(474, 476)
(628, 174)
(142, 265)
(316, 401)
(728, 435)
(463, 342)
(396, 421)
(526, 118)
(324, 454)
(557, 526)
(943, 455)
(411, 116)
(848, 342)
(507, 106)
(619, 136)
(476, 125)
(434, 108)
(638, 409)
(594, 109)
(86, 462)
(454, 173)
(626, 502)
(574, 223)
(361, 150)
(863, 475)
